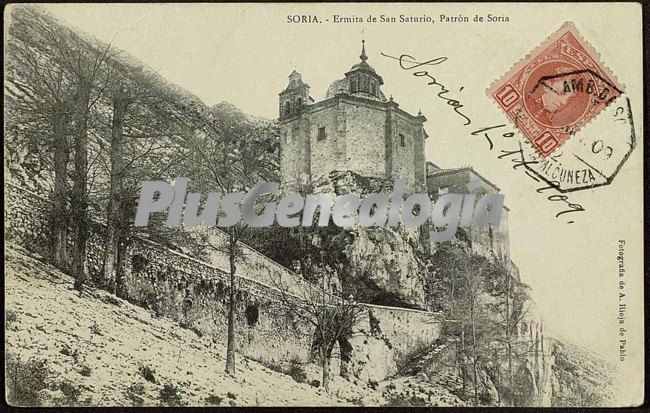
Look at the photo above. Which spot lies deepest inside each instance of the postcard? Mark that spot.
(324, 204)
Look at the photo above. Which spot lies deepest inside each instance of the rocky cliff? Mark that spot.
(580, 377)
(383, 265)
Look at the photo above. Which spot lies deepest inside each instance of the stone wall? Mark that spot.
(329, 152)
(177, 286)
(195, 294)
(256, 266)
(485, 241)
(361, 135)
(404, 156)
(295, 151)
(391, 323)
(365, 135)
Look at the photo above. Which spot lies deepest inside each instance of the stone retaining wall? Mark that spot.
(195, 294)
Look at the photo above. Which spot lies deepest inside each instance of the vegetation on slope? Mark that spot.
(98, 350)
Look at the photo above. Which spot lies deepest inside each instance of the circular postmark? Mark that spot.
(593, 157)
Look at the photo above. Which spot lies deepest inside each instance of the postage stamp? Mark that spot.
(556, 90)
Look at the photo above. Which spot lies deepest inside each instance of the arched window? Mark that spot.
(354, 85)
(299, 104)
(287, 108)
(372, 88)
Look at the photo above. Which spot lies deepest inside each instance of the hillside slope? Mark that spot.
(98, 350)
(582, 378)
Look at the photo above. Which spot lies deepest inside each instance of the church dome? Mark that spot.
(339, 86)
(363, 66)
(342, 86)
(360, 81)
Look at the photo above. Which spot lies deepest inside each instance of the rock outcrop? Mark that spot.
(580, 377)
(383, 267)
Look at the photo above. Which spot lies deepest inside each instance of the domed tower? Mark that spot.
(355, 128)
(363, 79)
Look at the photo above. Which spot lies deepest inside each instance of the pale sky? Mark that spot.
(225, 52)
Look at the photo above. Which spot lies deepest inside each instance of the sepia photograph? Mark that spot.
(323, 204)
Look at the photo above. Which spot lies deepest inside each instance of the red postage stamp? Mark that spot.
(555, 90)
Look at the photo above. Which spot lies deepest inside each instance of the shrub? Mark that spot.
(134, 393)
(272, 366)
(10, 318)
(95, 329)
(295, 368)
(406, 363)
(110, 300)
(71, 353)
(402, 400)
(297, 372)
(357, 401)
(151, 303)
(85, 371)
(24, 380)
(70, 396)
(148, 373)
(214, 400)
(169, 395)
(231, 395)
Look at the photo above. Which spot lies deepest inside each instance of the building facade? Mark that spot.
(487, 241)
(354, 128)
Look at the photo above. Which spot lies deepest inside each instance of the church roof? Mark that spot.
(342, 86)
(337, 87)
(295, 82)
(363, 65)
(441, 172)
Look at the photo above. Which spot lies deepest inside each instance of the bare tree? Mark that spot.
(319, 297)
(445, 290)
(462, 286)
(122, 98)
(127, 96)
(39, 93)
(472, 302)
(59, 76)
(73, 70)
(228, 154)
(332, 317)
(512, 305)
(88, 72)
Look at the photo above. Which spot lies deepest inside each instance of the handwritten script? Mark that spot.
(409, 63)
